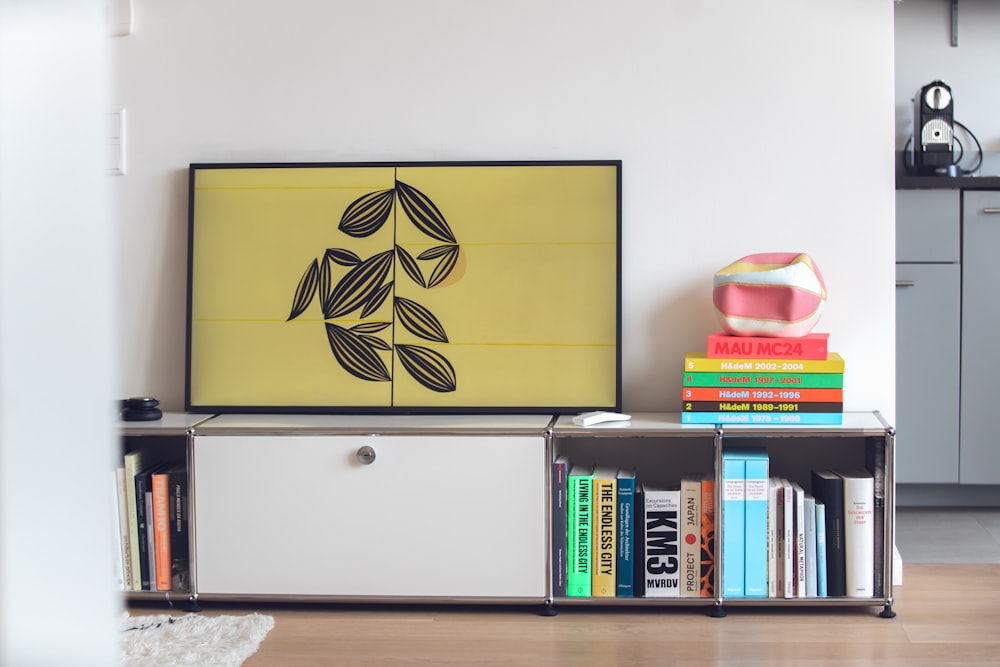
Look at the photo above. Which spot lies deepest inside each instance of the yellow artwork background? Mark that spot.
(530, 310)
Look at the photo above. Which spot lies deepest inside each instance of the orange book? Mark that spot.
(161, 529)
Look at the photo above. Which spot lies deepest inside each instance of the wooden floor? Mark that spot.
(946, 615)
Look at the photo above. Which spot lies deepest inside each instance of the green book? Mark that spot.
(580, 538)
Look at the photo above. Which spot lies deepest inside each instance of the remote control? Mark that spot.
(599, 417)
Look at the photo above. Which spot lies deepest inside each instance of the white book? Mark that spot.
(119, 524)
(691, 535)
(859, 533)
(788, 539)
(810, 522)
(775, 500)
(800, 540)
(662, 513)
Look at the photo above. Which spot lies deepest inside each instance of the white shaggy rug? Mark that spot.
(193, 639)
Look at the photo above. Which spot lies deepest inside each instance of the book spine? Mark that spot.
(733, 526)
(875, 464)
(161, 528)
(662, 563)
(829, 489)
(180, 565)
(624, 573)
(810, 521)
(800, 541)
(810, 346)
(821, 574)
(560, 518)
(754, 406)
(698, 362)
(578, 582)
(141, 484)
(788, 539)
(859, 536)
(603, 579)
(805, 395)
(774, 573)
(708, 536)
(639, 567)
(691, 536)
(755, 514)
(123, 528)
(764, 418)
(772, 380)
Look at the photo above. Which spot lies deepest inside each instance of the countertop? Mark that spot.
(989, 178)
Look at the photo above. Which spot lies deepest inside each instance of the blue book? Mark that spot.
(811, 553)
(755, 517)
(764, 418)
(625, 572)
(733, 525)
(820, 549)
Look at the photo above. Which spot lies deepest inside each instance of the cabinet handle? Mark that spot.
(906, 283)
(991, 210)
(366, 455)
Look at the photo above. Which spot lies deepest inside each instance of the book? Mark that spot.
(828, 488)
(691, 534)
(755, 406)
(821, 575)
(605, 530)
(764, 418)
(733, 541)
(775, 556)
(578, 575)
(143, 485)
(700, 362)
(875, 464)
(809, 346)
(639, 568)
(124, 550)
(708, 535)
(803, 394)
(625, 567)
(161, 529)
(774, 380)
(138, 461)
(755, 518)
(810, 535)
(789, 576)
(859, 533)
(150, 537)
(662, 559)
(180, 565)
(560, 516)
(798, 511)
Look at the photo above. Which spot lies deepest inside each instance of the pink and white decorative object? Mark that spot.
(778, 294)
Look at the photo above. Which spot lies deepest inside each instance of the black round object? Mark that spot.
(140, 409)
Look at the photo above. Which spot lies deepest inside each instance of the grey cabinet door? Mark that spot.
(927, 373)
(927, 226)
(980, 329)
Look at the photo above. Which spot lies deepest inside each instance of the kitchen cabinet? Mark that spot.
(980, 456)
(928, 335)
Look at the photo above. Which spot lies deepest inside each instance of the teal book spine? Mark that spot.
(625, 571)
(733, 525)
(755, 516)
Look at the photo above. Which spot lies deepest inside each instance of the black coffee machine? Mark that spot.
(932, 151)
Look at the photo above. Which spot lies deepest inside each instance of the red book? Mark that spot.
(811, 346)
(161, 529)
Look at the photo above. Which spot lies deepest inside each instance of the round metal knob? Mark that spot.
(366, 455)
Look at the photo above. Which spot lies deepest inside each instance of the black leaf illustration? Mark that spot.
(376, 299)
(325, 280)
(305, 291)
(342, 256)
(355, 355)
(419, 321)
(436, 251)
(358, 286)
(427, 367)
(444, 266)
(376, 343)
(370, 327)
(424, 214)
(367, 214)
(410, 266)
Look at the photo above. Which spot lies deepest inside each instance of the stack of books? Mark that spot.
(761, 380)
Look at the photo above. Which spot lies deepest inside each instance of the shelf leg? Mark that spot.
(193, 604)
(887, 612)
(718, 611)
(548, 609)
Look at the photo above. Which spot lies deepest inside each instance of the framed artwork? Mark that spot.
(443, 287)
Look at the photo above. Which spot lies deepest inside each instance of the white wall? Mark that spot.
(924, 53)
(743, 126)
(57, 325)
